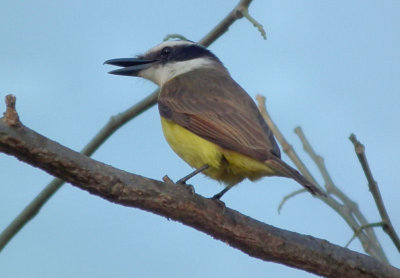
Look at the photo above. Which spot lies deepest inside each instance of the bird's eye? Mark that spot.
(166, 51)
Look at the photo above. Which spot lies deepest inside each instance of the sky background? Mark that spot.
(331, 67)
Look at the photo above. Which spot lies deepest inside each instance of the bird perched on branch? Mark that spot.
(207, 118)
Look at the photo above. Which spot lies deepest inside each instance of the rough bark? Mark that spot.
(181, 204)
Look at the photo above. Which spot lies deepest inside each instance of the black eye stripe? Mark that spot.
(166, 51)
(185, 53)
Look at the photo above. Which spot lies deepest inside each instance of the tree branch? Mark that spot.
(225, 23)
(373, 188)
(345, 210)
(373, 244)
(111, 126)
(369, 225)
(258, 25)
(37, 203)
(286, 147)
(180, 204)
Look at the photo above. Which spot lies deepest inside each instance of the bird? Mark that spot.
(207, 118)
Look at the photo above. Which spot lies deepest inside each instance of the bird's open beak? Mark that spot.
(131, 66)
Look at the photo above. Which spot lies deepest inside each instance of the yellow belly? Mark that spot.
(226, 166)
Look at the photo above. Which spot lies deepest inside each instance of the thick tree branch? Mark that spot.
(178, 203)
(37, 203)
(374, 189)
(113, 125)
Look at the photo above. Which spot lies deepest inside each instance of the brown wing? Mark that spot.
(213, 106)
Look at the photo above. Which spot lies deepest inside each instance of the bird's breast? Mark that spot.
(226, 166)
(195, 150)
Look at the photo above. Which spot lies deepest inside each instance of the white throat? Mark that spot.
(160, 74)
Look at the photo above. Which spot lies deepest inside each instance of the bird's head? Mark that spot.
(166, 61)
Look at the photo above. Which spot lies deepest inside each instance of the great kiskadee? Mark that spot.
(207, 118)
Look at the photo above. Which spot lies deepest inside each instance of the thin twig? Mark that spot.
(175, 36)
(255, 23)
(289, 196)
(370, 225)
(348, 203)
(224, 24)
(114, 124)
(286, 147)
(333, 189)
(373, 187)
(370, 245)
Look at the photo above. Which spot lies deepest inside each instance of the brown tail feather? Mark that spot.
(290, 172)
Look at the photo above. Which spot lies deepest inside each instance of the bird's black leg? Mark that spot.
(192, 174)
(219, 195)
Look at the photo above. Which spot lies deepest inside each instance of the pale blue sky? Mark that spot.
(331, 67)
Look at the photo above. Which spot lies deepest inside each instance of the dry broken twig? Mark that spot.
(11, 116)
